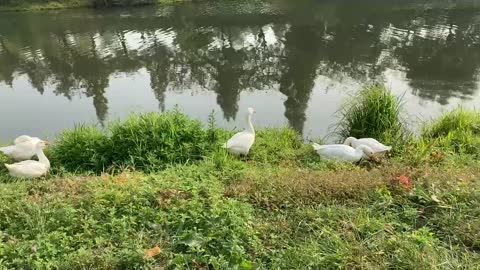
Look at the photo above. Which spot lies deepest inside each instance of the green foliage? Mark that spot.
(151, 141)
(109, 222)
(372, 113)
(275, 145)
(228, 213)
(84, 148)
(43, 4)
(279, 208)
(147, 142)
(457, 131)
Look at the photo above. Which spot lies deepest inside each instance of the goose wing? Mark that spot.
(27, 167)
(374, 144)
(240, 139)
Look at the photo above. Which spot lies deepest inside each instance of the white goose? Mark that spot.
(23, 148)
(31, 168)
(343, 152)
(25, 138)
(377, 147)
(241, 142)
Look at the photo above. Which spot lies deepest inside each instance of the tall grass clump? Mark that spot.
(273, 145)
(457, 131)
(81, 149)
(147, 142)
(151, 141)
(374, 113)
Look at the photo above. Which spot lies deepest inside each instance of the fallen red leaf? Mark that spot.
(405, 182)
(153, 252)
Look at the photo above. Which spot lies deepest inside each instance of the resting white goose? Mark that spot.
(23, 148)
(343, 152)
(31, 168)
(377, 147)
(241, 142)
(25, 138)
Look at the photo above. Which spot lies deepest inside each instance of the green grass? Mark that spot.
(270, 218)
(374, 112)
(457, 131)
(148, 142)
(168, 183)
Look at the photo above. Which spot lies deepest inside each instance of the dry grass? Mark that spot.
(303, 187)
(298, 186)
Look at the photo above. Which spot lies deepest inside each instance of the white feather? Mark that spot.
(21, 151)
(377, 147)
(241, 142)
(31, 168)
(25, 138)
(342, 152)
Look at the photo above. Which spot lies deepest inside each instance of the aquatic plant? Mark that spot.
(374, 112)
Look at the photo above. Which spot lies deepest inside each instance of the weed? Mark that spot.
(373, 113)
(148, 142)
(152, 141)
(84, 148)
(457, 131)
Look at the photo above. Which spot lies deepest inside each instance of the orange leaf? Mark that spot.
(153, 252)
(405, 182)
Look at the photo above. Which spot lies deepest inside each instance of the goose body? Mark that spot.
(26, 138)
(31, 168)
(343, 152)
(241, 142)
(23, 148)
(377, 147)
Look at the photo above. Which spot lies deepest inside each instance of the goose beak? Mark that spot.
(46, 142)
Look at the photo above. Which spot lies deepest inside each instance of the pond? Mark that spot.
(294, 61)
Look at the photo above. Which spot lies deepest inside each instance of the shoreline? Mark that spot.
(160, 190)
(74, 4)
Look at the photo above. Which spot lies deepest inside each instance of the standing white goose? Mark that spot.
(377, 147)
(24, 148)
(241, 142)
(31, 168)
(343, 152)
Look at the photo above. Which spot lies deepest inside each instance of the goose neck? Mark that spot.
(42, 158)
(249, 123)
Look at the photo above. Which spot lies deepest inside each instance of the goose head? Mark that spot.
(41, 145)
(349, 141)
(367, 151)
(251, 111)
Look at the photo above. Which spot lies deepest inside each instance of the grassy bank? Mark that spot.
(43, 5)
(35, 5)
(162, 180)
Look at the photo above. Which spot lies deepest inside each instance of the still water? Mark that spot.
(294, 61)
